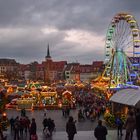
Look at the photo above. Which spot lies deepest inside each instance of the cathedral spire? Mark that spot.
(48, 53)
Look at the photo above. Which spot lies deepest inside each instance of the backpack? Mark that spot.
(119, 121)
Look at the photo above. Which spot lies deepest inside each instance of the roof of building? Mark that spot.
(85, 68)
(7, 61)
(130, 97)
(97, 63)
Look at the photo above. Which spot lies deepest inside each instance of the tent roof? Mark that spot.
(129, 97)
(65, 92)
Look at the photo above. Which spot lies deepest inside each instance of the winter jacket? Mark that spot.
(100, 132)
(71, 128)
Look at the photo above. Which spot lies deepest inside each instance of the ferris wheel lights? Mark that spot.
(135, 30)
(108, 74)
(129, 83)
(113, 21)
(136, 52)
(109, 38)
(117, 17)
(132, 26)
(120, 41)
(136, 46)
(111, 30)
(128, 16)
(136, 41)
(107, 46)
(116, 20)
(113, 25)
(123, 14)
(132, 21)
(133, 75)
(128, 20)
(107, 43)
(107, 59)
(122, 18)
(135, 64)
(135, 34)
(108, 53)
(109, 67)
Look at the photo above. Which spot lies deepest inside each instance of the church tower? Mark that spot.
(48, 64)
(48, 57)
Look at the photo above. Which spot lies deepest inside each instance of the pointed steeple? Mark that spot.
(48, 53)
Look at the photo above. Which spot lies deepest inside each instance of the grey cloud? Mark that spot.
(64, 14)
(32, 15)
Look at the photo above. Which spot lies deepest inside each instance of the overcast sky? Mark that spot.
(74, 29)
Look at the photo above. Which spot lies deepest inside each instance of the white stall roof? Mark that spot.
(129, 97)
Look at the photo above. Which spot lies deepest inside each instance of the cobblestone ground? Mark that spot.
(81, 135)
(56, 115)
(84, 129)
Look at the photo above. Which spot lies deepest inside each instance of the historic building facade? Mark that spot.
(51, 71)
(8, 69)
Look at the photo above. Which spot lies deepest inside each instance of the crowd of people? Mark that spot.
(66, 111)
(24, 127)
(91, 107)
(21, 126)
(131, 123)
(48, 126)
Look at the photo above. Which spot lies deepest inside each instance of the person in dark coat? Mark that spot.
(23, 112)
(45, 123)
(138, 123)
(71, 128)
(130, 126)
(100, 131)
(33, 128)
(12, 121)
(16, 128)
(1, 131)
(63, 112)
(51, 126)
(119, 124)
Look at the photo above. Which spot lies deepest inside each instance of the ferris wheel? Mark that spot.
(122, 50)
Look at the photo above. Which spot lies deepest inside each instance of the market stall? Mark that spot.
(121, 102)
(126, 98)
(49, 98)
(33, 86)
(68, 99)
(25, 103)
